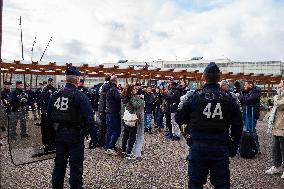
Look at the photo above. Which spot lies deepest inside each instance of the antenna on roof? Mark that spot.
(45, 48)
(33, 49)
(22, 44)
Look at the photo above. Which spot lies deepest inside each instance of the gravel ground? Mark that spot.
(163, 166)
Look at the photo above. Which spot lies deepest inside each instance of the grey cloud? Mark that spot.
(113, 50)
(76, 48)
(161, 34)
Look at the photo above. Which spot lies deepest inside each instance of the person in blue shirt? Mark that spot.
(215, 127)
(70, 112)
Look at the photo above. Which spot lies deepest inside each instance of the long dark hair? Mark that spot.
(127, 92)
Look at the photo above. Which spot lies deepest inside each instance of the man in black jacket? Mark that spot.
(173, 98)
(113, 118)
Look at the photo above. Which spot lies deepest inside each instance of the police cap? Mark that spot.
(19, 82)
(72, 71)
(212, 68)
(50, 79)
(7, 83)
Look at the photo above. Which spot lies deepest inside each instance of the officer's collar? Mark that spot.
(70, 85)
(211, 85)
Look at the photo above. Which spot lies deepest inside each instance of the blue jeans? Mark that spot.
(205, 159)
(249, 124)
(113, 123)
(159, 117)
(147, 120)
(69, 144)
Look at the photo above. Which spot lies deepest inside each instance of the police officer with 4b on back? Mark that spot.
(71, 114)
(215, 126)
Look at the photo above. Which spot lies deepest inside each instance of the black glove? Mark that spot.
(189, 140)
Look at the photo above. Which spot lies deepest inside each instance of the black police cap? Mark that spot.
(19, 82)
(212, 68)
(72, 71)
(50, 79)
(7, 83)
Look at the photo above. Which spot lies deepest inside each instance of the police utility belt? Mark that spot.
(66, 127)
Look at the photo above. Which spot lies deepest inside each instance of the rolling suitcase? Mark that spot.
(249, 139)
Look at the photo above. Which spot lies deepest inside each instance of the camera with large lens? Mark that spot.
(23, 99)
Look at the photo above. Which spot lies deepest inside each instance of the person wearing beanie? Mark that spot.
(215, 127)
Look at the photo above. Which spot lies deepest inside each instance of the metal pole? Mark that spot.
(22, 45)
(43, 54)
(33, 49)
(1, 11)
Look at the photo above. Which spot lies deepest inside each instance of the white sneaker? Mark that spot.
(111, 152)
(130, 157)
(273, 170)
(282, 176)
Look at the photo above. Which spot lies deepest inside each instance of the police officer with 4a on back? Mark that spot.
(70, 112)
(215, 126)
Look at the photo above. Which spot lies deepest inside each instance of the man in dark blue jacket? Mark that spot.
(102, 111)
(18, 102)
(71, 113)
(5, 96)
(113, 118)
(250, 101)
(31, 100)
(47, 92)
(215, 127)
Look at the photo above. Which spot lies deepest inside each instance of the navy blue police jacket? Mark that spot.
(82, 103)
(190, 105)
(15, 99)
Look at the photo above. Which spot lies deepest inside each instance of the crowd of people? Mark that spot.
(131, 111)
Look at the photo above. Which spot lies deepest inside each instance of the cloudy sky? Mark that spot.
(96, 31)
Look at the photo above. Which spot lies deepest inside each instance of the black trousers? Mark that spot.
(129, 138)
(69, 146)
(278, 150)
(102, 129)
(168, 121)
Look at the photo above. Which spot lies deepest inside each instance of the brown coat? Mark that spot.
(278, 127)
